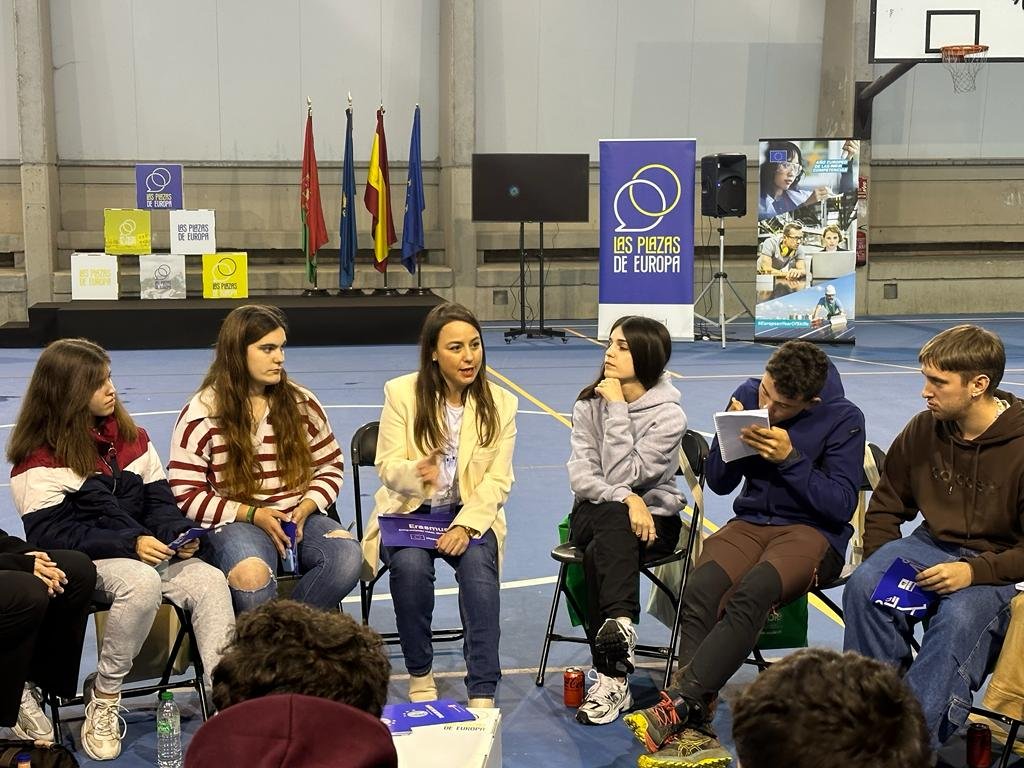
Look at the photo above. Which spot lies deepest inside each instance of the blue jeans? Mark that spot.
(960, 644)
(412, 592)
(329, 566)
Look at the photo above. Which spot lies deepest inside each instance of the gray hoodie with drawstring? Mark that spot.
(624, 448)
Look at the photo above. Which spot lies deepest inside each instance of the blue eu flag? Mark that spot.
(412, 227)
(349, 246)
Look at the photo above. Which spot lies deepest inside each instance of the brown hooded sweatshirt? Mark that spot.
(971, 492)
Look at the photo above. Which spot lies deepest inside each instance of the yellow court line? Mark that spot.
(516, 388)
(552, 412)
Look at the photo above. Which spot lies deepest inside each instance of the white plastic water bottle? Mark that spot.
(168, 733)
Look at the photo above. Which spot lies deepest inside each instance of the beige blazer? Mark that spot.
(485, 473)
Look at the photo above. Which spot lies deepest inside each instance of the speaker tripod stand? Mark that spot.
(722, 279)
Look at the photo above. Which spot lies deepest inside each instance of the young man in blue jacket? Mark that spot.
(790, 532)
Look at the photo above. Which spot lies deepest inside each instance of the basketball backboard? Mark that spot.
(915, 30)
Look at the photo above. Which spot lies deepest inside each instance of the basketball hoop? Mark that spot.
(963, 63)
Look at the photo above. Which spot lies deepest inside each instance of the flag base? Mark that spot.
(384, 292)
(419, 292)
(315, 292)
(351, 292)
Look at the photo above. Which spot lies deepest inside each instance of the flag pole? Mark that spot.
(314, 291)
(350, 291)
(385, 291)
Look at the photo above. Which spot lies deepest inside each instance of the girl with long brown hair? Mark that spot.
(86, 477)
(445, 447)
(252, 450)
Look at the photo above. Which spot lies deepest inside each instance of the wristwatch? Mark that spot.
(471, 532)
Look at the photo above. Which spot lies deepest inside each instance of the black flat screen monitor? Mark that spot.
(515, 187)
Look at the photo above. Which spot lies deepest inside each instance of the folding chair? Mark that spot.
(873, 459)
(692, 454)
(364, 454)
(185, 631)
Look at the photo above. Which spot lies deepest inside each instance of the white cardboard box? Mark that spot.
(475, 744)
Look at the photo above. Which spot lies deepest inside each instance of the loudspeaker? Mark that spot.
(723, 185)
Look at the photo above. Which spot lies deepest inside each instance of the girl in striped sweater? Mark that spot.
(252, 450)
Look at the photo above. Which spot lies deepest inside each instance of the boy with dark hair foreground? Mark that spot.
(817, 701)
(298, 686)
(960, 463)
(790, 532)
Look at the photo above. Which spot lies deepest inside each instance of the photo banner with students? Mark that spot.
(646, 233)
(807, 210)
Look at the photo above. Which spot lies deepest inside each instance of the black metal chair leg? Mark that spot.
(551, 626)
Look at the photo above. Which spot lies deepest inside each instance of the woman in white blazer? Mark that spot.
(445, 447)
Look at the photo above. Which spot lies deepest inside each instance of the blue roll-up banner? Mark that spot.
(807, 209)
(646, 225)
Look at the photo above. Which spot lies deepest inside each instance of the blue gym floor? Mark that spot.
(880, 374)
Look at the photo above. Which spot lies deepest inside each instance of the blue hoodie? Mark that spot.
(817, 484)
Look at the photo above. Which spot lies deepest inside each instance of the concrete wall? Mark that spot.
(940, 234)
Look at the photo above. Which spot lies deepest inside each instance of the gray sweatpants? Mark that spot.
(136, 590)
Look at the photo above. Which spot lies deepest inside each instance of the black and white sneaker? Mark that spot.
(616, 643)
(606, 699)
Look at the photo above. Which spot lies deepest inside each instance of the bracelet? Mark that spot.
(471, 532)
(250, 515)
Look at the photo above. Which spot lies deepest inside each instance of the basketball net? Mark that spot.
(963, 63)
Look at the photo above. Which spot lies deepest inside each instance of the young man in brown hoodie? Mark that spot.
(960, 464)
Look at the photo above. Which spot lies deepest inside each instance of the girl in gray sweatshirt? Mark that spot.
(627, 428)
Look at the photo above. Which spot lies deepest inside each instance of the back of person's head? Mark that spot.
(292, 731)
(969, 350)
(799, 369)
(289, 647)
(818, 707)
(55, 411)
(650, 346)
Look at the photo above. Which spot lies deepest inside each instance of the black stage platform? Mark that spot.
(191, 323)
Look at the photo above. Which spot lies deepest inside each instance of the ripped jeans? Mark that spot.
(329, 565)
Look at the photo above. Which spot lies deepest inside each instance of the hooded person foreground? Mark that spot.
(297, 686)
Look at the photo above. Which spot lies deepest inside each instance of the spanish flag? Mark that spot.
(377, 197)
(314, 230)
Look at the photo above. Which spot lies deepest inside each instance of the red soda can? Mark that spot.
(979, 746)
(572, 687)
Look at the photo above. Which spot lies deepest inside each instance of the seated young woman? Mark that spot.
(252, 450)
(445, 447)
(626, 431)
(86, 477)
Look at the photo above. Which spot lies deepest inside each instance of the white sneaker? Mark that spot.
(103, 727)
(606, 699)
(616, 642)
(33, 724)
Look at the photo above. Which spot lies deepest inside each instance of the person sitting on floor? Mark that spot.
(818, 707)
(297, 686)
(626, 431)
(792, 525)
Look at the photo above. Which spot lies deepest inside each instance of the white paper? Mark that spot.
(727, 427)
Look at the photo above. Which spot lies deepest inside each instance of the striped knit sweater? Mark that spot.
(198, 453)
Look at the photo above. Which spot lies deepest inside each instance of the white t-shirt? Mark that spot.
(446, 494)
